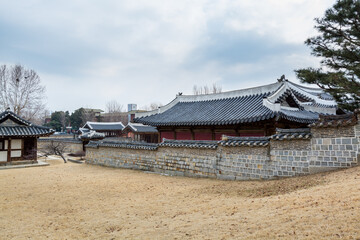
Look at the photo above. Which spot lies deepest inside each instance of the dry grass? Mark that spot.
(78, 201)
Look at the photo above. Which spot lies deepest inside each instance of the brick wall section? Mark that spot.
(125, 158)
(338, 148)
(328, 149)
(241, 163)
(290, 157)
(181, 162)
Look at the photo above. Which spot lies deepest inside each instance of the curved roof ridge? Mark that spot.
(315, 98)
(104, 123)
(305, 87)
(7, 113)
(231, 94)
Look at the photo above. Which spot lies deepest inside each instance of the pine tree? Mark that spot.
(339, 47)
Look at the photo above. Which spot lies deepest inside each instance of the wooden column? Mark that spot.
(9, 150)
(35, 147)
(192, 134)
(159, 137)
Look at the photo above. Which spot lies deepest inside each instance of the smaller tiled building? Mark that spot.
(18, 138)
(142, 133)
(110, 129)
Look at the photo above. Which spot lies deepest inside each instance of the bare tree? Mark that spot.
(206, 89)
(152, 106)
(55, 148)
(87, 114)
(155, 105)
(21, 91)
(114, 112)
(114, 107)
(216, 89)
(196, 90)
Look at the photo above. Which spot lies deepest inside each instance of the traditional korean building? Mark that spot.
(142, 133)
(110, 129)
(18, 138)
(248, 112)
(90, 135)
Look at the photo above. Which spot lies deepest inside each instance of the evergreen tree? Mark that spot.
(76, 118)
(58, 120)
(339, 47)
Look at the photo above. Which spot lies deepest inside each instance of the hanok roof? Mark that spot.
(335, 120)
(92, 135)
(104, 126)
(140, 128)
(289, 134)
(282, 100)
(11, 125)
(229, 141)
(188, 143)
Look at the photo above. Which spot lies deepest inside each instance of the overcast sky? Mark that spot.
(142, 51)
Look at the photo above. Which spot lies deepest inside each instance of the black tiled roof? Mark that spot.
(21, 127)
(289, 134)
(228, 141)
(141, 128)
(92, 135)
(53, 139)
(104, 126)
(189, 144)
(243, 106)
(213, 112)
(118, 144)
(299, 116)
(335, 120)
(24, 131)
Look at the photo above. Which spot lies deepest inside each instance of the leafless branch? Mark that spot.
(21, 91)
(55, 148)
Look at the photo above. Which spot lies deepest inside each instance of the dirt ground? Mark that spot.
(79, 201)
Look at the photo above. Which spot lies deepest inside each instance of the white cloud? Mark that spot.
(142, 51)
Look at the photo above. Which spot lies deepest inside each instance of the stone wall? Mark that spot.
(290, 157)
(339, 147)
(285, 154)
(72, 145)
(182, 162)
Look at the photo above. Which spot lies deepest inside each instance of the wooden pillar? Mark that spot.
(266, 129)
(192, 134)
(35, 148)
(212, 134)
(9, 150)
(174, 134)
(159, 137)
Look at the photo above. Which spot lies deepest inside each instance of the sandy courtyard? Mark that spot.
(79, 201)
